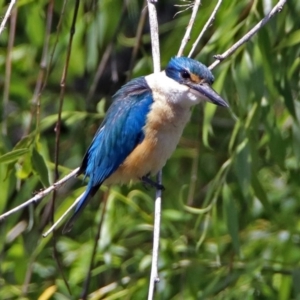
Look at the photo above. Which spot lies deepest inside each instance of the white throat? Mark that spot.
(172, 91)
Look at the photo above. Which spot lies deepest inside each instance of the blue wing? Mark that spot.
(120, 132)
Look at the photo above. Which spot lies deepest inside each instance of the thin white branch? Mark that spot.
(40, 195)
(157, 214)
(63, 216)
(207, 24)
(187, 37)
(154, 278)
(7, 14)
(184, 7)
(154, 36)
(276, 9)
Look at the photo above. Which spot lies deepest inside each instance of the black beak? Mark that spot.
(209, 94)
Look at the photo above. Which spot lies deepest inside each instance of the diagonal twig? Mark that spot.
(41, 83)
(138, 40)
(207, 24)
(276, 9)
(51, 229)
(39, 196)
(186, 37)
(106, 55)
(7, 14)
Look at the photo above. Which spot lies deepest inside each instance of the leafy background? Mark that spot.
(230, 221)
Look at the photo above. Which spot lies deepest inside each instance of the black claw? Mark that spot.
(149, 182)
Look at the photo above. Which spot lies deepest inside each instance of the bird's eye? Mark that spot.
(185, 74)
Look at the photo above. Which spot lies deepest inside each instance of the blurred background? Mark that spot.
(230, 220)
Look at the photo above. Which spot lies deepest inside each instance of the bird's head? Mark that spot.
(196, 76)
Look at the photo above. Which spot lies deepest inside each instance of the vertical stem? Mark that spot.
(157, 214)
(154, 278)
(154, 36)
(57, 137)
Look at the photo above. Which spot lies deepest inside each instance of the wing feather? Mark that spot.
(120, 132)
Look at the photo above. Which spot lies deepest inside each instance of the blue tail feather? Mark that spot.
(88, 194)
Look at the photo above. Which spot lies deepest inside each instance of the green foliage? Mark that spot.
(230, 225)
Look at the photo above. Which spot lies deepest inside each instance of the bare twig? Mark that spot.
(138, 39)
(84, 293)
(61, 101)
(154, 278)
(184, 7)
(7, 14)
(40, 83)
(51, 229)
(106, 55)
(207, 24)
(35, 110)
(186, 37)
(58, 30)
(99, 72)
(154, 36)
(157, 214)
(57, 135)
(11, 40)
(40, 195)
(276, 9)
(43, 64)
(63, 86)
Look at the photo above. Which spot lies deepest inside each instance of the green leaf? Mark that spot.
(296, 280)
(7, 182)
(231, 215)
(25, 169)
(40, 167)
(261, 194)
(209, 111)
(276, 145)
(25, 142)
(289, 99)
(296, 140)
(174, 215)
(290, 40)
(242, 166)
(12, 156)
(285, 287)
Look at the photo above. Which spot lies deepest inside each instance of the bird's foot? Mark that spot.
(149, 182)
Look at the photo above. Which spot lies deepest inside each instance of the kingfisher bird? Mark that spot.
(143, 125)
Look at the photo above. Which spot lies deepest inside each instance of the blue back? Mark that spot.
(120, 132)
